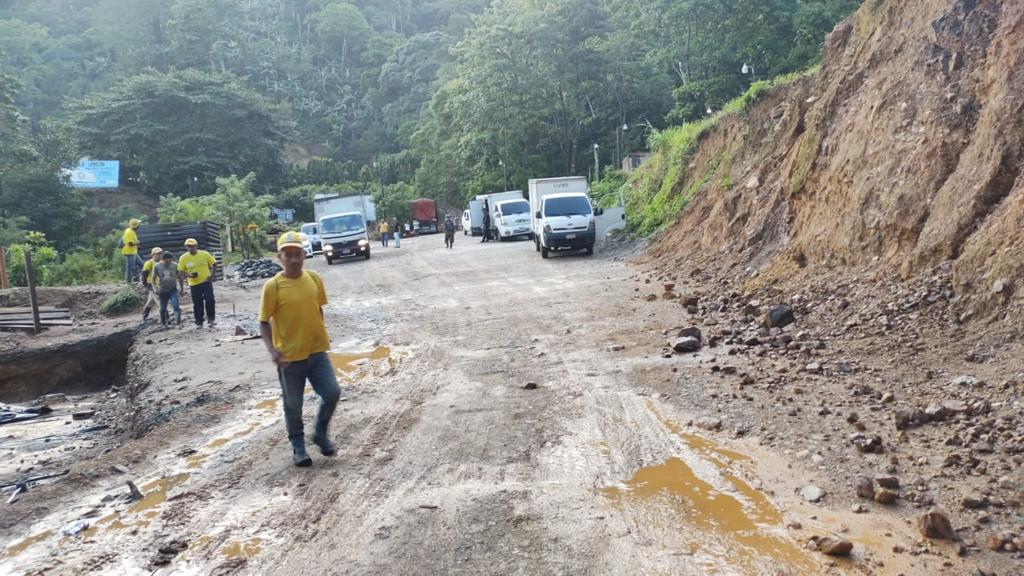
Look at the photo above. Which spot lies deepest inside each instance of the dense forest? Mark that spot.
(401, 98)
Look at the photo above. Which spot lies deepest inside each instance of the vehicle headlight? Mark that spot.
(328, 248)
(363, 242)
(547, 229)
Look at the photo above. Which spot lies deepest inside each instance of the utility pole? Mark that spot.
(597, 167)
(30, 278)
(504, 172)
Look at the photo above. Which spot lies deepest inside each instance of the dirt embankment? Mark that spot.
(906, 151)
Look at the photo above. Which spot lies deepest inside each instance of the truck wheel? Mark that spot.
(501, 238)
(536, 243)
(590, 250)
(367, 256)
(329, 261)
(543, 252)
(464, 233)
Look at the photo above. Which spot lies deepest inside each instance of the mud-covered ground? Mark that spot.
(503, 414)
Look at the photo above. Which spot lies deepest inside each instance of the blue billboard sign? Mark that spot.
(96, 174)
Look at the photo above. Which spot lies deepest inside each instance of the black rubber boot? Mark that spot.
(300, 457)
(326, 446)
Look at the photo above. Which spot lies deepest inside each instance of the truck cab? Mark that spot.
(566, 222)
(512, 218)
(344, 236)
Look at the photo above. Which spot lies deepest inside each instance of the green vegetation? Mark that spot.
(124, 300)
(419, 98)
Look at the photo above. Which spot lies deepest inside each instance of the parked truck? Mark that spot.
(473, 218)
(492, 200)
(561, 214)
(340, 203)
(344, 235)
(424, 216)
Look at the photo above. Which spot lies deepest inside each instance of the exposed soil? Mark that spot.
(505, 423)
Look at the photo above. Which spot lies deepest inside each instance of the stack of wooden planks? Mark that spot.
(21, 318)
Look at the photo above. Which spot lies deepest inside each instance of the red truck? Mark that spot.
(424, 216)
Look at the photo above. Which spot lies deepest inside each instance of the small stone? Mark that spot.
(812, 493)
(686, 344)
(813, 367)
(691, 332)
(885, 496)
(670, 286)
(689, 301)
(615, 347)
(864, 488)
(779, 317)
(83, 415)
(974, 502)
(834, 546)
(712, 424)
(890, 482)
(651, 297)
(935, 524)
(239, 331)
(530, 386)
(859, 508)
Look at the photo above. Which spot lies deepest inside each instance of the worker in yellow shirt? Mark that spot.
(293, 329)
(130, 250)
(198, 268)
(149, 282)
(385, 231)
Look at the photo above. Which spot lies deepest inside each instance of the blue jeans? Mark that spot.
(171, 297)
(132, 267)
(320, 373)
(203, 304)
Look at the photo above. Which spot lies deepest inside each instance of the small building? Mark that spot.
(635, 159)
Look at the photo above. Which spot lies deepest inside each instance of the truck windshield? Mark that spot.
(309, 229)
(509, 208)
(345, 224)
(567, 206)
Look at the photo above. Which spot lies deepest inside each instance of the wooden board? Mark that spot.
(6, 311)
(42, 316)
(20, 323)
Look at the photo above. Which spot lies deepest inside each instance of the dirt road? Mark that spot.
(502, 416)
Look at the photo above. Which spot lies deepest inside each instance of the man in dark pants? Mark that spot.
(449, 232)
(293, 330)
(487, 223)
(198, 267)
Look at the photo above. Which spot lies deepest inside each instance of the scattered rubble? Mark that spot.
(255, 269)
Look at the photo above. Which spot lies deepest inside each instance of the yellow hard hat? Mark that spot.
(156, 250)
(134, 223)
(191, 242)
(293, 239)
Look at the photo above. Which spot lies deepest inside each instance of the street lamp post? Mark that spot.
(618, 141)
(504, 172)
(597, 167)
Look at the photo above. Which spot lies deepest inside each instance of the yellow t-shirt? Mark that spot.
(292, 306)
(200, 264)
(147, 269)
(131, 242)
(383, 228)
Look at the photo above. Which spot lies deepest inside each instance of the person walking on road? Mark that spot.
(398, 233)
(385, 232)
(449, 232)
(487, 224)
(198, 267)
(169, 284)
(293, 330)
(149, 283)
(130, 250)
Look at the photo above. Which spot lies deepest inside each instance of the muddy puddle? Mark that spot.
(351, 366)
(242, 549)
(697, 504)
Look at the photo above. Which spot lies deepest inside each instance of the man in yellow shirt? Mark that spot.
(293, 329)
(149, 282)
(130, 251)
(198, 267)
(384, 231)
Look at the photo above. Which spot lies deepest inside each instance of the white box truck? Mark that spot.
(512, 218)
(344, 235)
(561, 214)
(326, 204)
(495, 197)
(473, 218)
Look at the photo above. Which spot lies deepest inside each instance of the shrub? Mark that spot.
(124, 300)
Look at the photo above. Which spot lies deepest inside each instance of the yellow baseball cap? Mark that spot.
(134, 223)
(156, 250)
(191, 242)
(291, 239)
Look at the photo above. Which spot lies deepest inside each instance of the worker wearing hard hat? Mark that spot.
(293, 329)
(198, 268)
(129, 244)
(149, 282)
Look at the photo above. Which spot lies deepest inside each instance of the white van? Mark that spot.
(566, 222)
(512, 218)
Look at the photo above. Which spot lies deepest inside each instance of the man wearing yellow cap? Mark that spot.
(130, 250)
(198, 267)
(293, 329)
(149, 282)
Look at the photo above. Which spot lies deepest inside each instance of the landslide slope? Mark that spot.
(903, 153)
